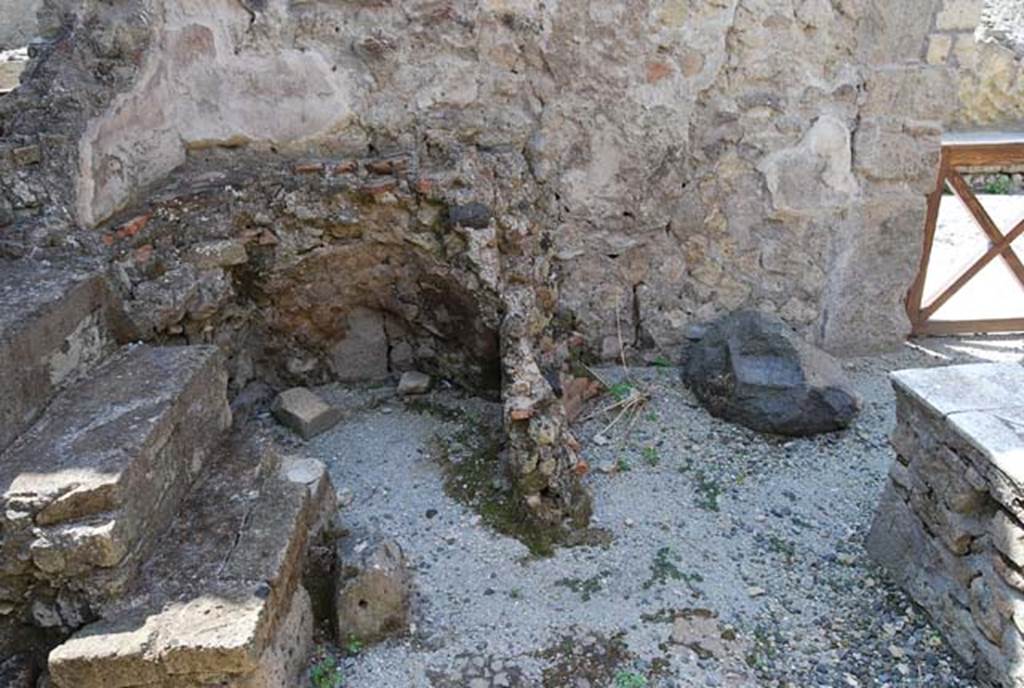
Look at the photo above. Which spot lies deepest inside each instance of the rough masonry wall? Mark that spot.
(683, 157)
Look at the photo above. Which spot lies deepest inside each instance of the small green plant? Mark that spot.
(515, 594)
(630, 679)
(782, 546)
(664, 568)
(623, 465)
(326, 674)
(662, 362)
(621, 391)
(998, 186)
(353, 645)
(584, 588)
(708, 492)
(651, 456)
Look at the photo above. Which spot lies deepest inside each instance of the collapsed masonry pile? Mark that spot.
(950, 527)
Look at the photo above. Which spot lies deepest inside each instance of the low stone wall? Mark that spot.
(950, 527)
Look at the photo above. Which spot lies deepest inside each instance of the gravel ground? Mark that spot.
(735, 559)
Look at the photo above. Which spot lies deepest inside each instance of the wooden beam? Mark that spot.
(981, 215)
(948, 292)
(986, 155)
(938, 328)
(916, 293)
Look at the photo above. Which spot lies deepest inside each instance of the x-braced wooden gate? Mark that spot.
(959, 153)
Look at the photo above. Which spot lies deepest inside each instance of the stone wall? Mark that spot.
(683, 158)
(18, 23)
(950, 527)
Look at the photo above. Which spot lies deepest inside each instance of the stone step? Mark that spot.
(221, 603)
(55, 324)
(86, 491)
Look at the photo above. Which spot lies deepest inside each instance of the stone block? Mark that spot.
(886, 151)
(950, 534)
(55, 325)
(993, 441)
(221, 602)
(955, 389)
(304, 412)
(1008, 537)
(910, 92)
(85, 492)
(374, 589)
(939, 47)
(959, 15)
(414, 382)
(363, 352)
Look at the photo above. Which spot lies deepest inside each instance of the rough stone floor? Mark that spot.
(735, 560)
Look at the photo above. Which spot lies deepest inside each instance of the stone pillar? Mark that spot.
(950, 526)
(543, 455)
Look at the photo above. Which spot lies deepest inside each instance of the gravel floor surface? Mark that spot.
(735, 559)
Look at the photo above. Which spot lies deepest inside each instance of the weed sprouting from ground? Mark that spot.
(708, 491)
(325, 673)
(586, 588)
(630, 679)
(664, 569)
(474, 475)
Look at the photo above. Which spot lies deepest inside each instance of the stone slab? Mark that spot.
(956, 389)
(220, 603)
(104, 470)
(55, 324)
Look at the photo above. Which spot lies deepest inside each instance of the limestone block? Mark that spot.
(889, 151)
(959, 15)
(414, 382)
(304, 412)
(815, 174)
(1008, 537)
(939, 47)
(373, 590)
(911, 92)
(221, 601)
(363, 352)
(956, 389)
(55, 325)
(85, 493)
(992, 441)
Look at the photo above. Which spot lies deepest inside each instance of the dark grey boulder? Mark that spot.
(753, 369)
